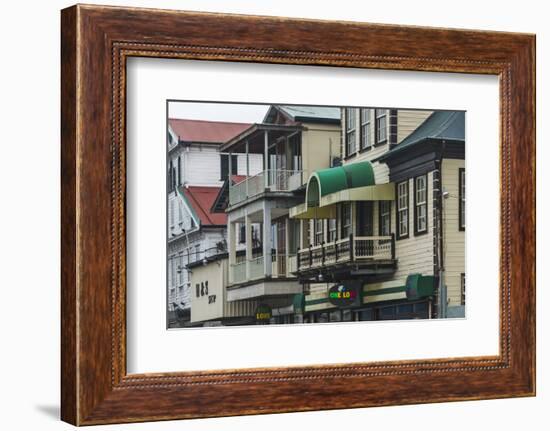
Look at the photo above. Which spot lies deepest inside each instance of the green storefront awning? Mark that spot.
(332, 180)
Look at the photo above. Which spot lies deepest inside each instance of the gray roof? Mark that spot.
(441, 125)
(310, 113)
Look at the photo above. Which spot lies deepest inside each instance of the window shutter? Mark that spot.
(224, 166)
(234, 164)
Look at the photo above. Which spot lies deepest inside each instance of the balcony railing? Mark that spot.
(282, 265)
(360, 249)
(274, 180)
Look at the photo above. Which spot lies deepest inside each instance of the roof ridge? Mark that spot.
(444, 124)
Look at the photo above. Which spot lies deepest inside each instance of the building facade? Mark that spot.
(196, 171)
(387, 227)
(360, 215)
(292, 141)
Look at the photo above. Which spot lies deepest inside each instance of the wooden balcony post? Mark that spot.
(310, 257)
(323, 253)
(351, 248)
(393, 246)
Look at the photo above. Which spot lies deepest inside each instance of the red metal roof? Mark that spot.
(216, 132)
(201, 199)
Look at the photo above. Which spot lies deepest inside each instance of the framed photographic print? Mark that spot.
(284, 207)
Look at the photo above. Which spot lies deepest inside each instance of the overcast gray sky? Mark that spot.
(240, 113)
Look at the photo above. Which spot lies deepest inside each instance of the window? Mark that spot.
(403, 209)
(171, 176)
(179, 171)
(393, 127)
(180, 270)
(180, 213)
(365, 129)
(197, 252)
(350, 131)
(462, 289)
(224, 165)
(380, 126)
(319, 231)
(364, 220)
(173, 264)
(420, 204)
(242, 233)
(332, 230)
(346, 220)
(462, 198)
(171, 211)
(384, 211)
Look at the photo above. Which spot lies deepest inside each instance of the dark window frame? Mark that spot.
(380, 221)
(227, 167)
(377, 119)
(463, 289)
(418, 232)
(318, 235)
(366, 124)
(332, 233)
(179, 171)
(342, 226)
(398, 234)
(348, 131)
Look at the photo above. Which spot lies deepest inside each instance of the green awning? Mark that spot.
(332, 180)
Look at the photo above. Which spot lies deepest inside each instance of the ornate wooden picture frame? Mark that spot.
(96, 42)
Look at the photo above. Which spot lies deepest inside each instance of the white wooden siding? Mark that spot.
(408, 121)
(453, 238)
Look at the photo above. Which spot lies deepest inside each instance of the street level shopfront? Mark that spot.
(359, 302)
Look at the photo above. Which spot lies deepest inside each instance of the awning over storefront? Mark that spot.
(326, 181)
(327, 187)
(297, 306)
(303, 212)
(379, 192)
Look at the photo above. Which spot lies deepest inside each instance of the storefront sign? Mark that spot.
(263, 312)
(345, 294)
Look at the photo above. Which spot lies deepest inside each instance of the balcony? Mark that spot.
(283, 266)
(272, 180)
(355, 252)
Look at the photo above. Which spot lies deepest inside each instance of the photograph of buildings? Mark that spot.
(287, 214)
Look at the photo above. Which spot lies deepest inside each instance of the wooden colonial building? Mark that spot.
(384, 236)
(292, 142)
(196, 171)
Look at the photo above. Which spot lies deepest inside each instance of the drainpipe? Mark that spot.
(442, 286)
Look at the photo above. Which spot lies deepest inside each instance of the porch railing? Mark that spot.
(282, 265)
(353, 249)
(271, 180)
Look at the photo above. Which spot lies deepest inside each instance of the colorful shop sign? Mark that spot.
(263, 313)
(345, 294)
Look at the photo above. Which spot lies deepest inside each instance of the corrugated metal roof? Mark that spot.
(441, 125)
(215, 132)
(201, 199)
(304, 113)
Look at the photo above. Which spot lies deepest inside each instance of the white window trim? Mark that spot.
(350, 115)
(402, 209)
(421, 203)
(367, 125)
